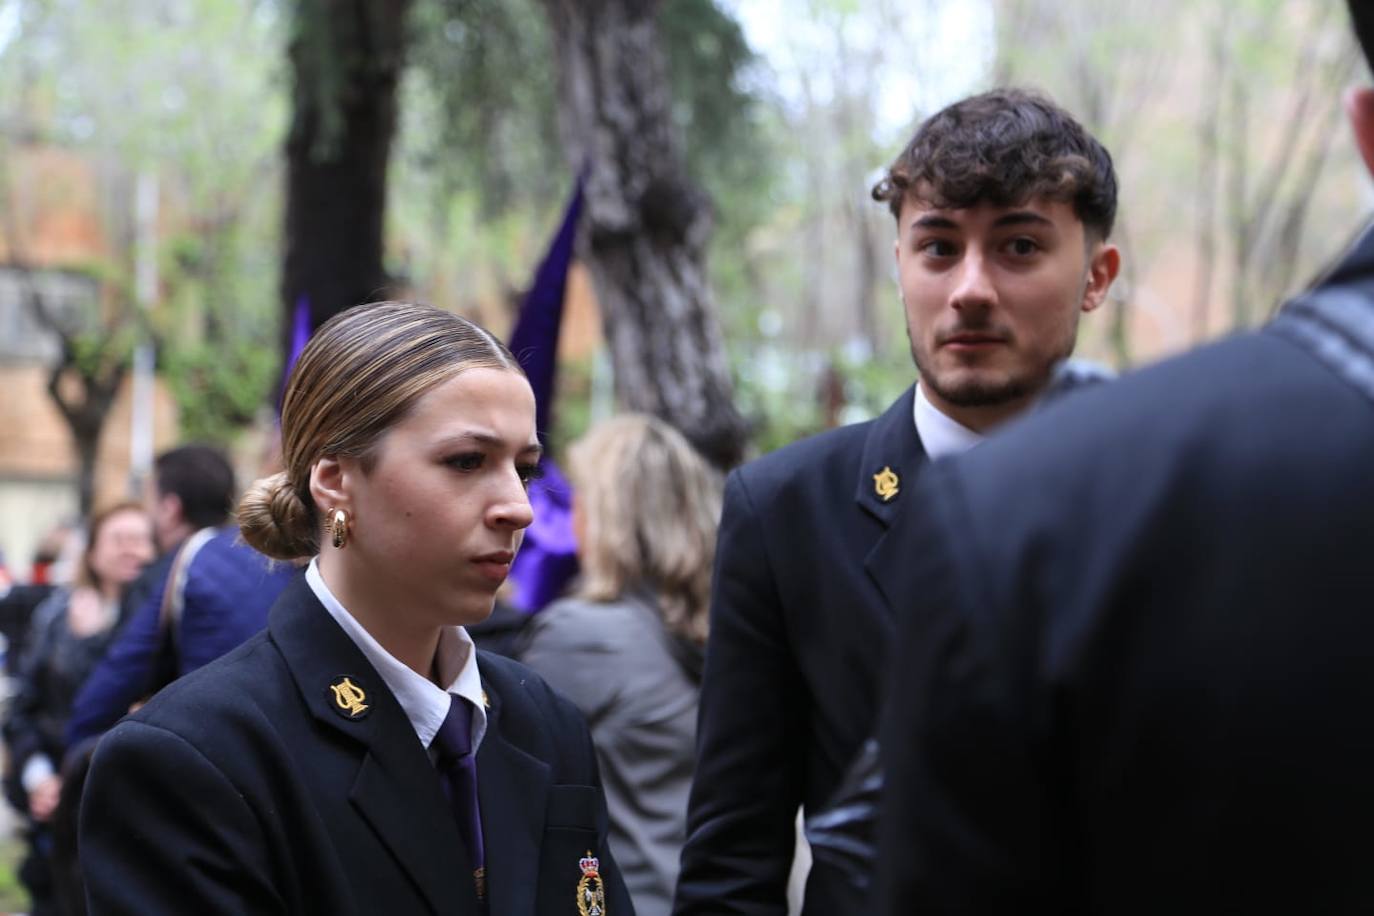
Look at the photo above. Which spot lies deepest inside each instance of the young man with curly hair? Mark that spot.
(1135, 650)
(1003, 205)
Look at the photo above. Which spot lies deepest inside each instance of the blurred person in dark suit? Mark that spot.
(50, 569)
(217, 597)
(69, 632)
(192, 489)
(1003, 206)
(1135, 648)
(627, 647)
(191, 496)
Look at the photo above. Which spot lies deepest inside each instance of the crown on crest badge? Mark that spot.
(591, 895)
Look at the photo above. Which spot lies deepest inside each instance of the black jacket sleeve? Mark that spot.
(741, 820)
(30, 709)
(965, 823)
(163, 830)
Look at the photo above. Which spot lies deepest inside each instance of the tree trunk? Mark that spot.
(647, 224)
(82, 390)
(347, 57)
(84, 398)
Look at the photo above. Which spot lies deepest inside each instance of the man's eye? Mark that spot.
(1023, 246)
(936, 248)
(469, 461)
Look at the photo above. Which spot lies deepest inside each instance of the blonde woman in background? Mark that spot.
(627, 649)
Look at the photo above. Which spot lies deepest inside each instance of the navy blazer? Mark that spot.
(1137, 638)
(795, 661)
(243, 788)
(229, 589)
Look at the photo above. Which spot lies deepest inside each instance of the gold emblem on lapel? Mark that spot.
(885, 484)
(486, 703)
(591, 895)
(348, 698)
(479, 879)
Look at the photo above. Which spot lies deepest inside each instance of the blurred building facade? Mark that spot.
(49, 243)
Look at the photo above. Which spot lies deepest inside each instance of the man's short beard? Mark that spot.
(983, 394)
(976, 393)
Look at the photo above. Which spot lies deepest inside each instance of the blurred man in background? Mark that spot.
(193, 488)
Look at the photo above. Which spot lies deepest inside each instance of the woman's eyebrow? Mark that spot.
(489, 439)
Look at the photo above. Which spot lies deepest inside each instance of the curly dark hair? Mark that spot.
(1004, 147)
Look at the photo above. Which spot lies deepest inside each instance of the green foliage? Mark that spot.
(492, 127)
(14, 898)
(720, 121)
(190, 94)
(219, 391)
(572, 409)
(480, 176)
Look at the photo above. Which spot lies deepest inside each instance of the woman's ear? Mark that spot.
(329, 485)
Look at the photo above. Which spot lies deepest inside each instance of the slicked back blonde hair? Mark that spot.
(361, 373)
(650, 505)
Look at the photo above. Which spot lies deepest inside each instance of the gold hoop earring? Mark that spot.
(339, 527)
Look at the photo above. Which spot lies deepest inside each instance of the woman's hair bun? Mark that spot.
(275, 521)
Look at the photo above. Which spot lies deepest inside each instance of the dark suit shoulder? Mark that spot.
(510, 677)
(799, 467)
(250, 682)
(1092, 479)
(1214, 403)
(537, 717)
(830, 462)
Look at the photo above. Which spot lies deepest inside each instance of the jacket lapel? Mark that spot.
(891, 458)
(512, 787)
(396, 790)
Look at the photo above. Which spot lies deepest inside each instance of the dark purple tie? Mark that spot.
(458, 774)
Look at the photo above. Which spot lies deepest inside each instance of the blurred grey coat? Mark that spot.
(619, 665)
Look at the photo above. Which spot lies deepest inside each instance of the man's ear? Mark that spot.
(329, 484)
(1102, 270)
(1359, 108)
(169, 507)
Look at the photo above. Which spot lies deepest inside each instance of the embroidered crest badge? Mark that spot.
(591, 895)
(885, 484)
(348, 698)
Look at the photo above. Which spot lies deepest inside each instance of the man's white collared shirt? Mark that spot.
(940, 435)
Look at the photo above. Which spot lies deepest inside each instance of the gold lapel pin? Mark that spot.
(885, 484)
(486, 703)
(348, 698)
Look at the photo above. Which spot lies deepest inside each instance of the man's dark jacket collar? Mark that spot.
(891, 447)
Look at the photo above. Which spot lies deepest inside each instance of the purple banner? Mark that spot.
(548, 558)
